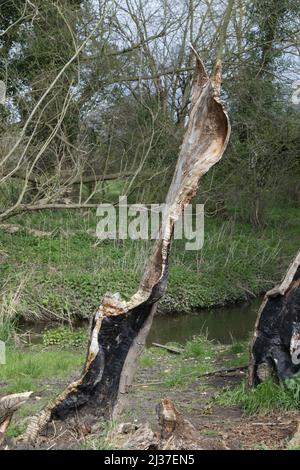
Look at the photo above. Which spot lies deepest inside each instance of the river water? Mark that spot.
(221, 324)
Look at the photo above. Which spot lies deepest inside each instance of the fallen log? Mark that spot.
(119, 328)
(276, 340)
(171, 349)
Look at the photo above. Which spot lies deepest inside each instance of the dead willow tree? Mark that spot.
(276, 341)
(119, 328)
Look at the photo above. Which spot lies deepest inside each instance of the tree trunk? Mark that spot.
(276, 341)
(119, 328)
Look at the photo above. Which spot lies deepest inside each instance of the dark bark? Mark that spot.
(277, 329)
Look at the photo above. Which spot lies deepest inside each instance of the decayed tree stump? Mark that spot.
(276, 341)
(176, 432)
(119, 328)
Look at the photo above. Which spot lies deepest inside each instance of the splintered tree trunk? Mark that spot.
(119, 328)
(276, 342)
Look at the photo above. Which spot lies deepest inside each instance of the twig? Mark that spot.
(171, 349)
(225, 371)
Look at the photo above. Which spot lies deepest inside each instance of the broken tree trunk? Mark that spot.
(276, 342)
(119, 328)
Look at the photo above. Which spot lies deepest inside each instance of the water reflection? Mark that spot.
(222, 324)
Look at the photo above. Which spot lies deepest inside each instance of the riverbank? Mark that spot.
(226, 415)
(59, 271)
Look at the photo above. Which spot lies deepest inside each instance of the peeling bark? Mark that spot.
(277, 329)
(119, 328)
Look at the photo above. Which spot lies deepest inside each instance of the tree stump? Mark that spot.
(176, 432)
(276, 341)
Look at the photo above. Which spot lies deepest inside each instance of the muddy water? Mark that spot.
(222, 324)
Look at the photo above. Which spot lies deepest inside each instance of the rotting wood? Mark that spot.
(295, 440)
(8, 405)
(276, 340)
(119, 328)
(176, 432)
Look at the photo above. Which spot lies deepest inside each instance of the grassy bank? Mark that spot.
(218, 404)
(63, 276)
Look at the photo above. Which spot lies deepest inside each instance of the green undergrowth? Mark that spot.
(201, 356)
(28, 368)
(236, 355)
(41, 370)
(47, 369)
(267, 397)
(65, 337)
(63, 277)
(176, 370)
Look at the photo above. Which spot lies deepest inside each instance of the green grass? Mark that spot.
(198, 358)
(25, 369)
(237, 347)
(8, 312)
(7, 329)
(176, 370)
(103, 440)
(237, 354)
(185, 374)
(200, 347)
(263, 399)
(146, 360)
(15, 430)
(43, 371)
(63, 277)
